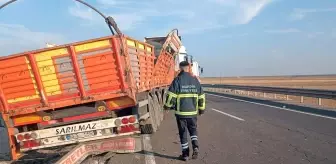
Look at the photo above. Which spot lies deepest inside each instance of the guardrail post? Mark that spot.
(287, 97)
(264, 95)
(275, 96)
(319, 101)
(301, 99)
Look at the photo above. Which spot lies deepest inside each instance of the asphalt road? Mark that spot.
(236, 132)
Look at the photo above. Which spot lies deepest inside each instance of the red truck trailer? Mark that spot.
(96, 89)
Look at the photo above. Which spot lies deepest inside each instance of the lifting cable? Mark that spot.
(109, 20)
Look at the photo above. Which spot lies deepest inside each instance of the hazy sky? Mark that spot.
(227, 37)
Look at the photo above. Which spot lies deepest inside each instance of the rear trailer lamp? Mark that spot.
(27, 136)
(30, 143)
(134, 127)
(132, 119)
(131, 127)
(124, 121)
(20, 137)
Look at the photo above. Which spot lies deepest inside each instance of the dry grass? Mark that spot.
(315, 82)
(311, 82)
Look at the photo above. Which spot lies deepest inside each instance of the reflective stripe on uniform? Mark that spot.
(193, 138)
(186, 96)
(202, 105)
(169, 102)
(185, 146)
(186, 113)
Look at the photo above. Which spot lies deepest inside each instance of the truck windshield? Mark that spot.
(158, 42)
(157, 47)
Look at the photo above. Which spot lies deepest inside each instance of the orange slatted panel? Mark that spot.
(106, 78)
(17, 83)
(102, 67)
(10, 77)
(106, 84)
(101, 74)
(17, 80)
(5, 64)
(20, 94)
(19, 89)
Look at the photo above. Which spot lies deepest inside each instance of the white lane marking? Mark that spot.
(240, 119)
(287, 109)
(149, 156)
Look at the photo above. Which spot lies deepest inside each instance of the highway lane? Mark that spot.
(265, 135)
(238, 132)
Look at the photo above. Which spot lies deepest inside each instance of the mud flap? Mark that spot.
(117, 145)
(5, 152)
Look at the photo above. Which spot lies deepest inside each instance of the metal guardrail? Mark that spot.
(315, 93)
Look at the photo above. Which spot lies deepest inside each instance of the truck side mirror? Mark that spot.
(201, 70)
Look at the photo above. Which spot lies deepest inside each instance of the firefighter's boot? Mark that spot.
(195, 153)
(185, 155)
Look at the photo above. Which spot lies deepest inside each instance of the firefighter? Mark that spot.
(186, 97)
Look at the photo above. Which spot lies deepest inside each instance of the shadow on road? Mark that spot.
(158, 155)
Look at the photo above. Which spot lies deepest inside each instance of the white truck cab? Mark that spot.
(183, 56)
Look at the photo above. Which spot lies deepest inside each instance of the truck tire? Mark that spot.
(146, 129)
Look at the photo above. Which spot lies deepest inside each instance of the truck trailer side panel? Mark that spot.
(61, 76)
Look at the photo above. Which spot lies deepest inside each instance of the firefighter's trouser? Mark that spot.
(184, 125)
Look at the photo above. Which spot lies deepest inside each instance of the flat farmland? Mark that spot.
(312, 82)
(308, 82)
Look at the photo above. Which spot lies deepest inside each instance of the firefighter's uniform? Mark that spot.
(186, 96)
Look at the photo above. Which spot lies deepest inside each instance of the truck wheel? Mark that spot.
(146, 129)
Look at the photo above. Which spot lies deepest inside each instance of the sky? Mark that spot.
(226, 37)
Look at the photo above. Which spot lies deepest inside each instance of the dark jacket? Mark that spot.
(186, 96)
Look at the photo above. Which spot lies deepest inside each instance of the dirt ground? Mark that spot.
(312, 82)
(309, 82)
